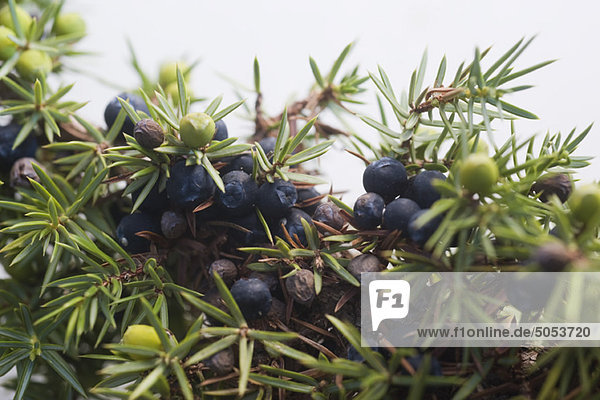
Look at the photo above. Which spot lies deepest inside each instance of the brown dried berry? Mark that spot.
(222, 362)
(364, 263)
(173, 224)
(226, 269)
(148, 133)
(301, 286)
(329, 214)
(21, 171)
(558, 184)
(553, 256)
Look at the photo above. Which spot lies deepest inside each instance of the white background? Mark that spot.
(227, 35)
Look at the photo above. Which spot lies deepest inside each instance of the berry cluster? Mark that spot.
(194, 265)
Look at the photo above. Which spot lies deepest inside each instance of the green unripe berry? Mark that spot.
(33, 63)
(168, 73)
(141, 335)
(7, 46)
(173, 91)
(585, 203)
(196, 129)
(69, 24)
(482, 146)
(478, 173)
(23, 17)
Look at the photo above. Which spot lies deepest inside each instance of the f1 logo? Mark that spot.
(389, 299)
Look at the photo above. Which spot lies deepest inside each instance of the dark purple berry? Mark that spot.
(364, 263)
(420, 233)
(386, 177)
(293, 224)
(253, 297)
(243, 162)
(240, 193)
(301, 286)
(148, 133)
(8, 156)
(189, 186)
(220, 131)
(173, 224)
(112, 110)
(554, 184)
(398, 214)
(270, 279)
(154, 203)
(368, 211)
(276, 199)
(268, 145)
(329, 214)
(132, 224)
(306, 195)
(253, 232)
(423, 192)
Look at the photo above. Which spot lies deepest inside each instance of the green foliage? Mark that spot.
(64, 316)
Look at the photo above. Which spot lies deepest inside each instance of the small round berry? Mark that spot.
(168, 73)
(154, 203)
(368, 211)
(148, 133)
(386, 177)
(398, 214)
(420, 233)
(23, 17)
(242, 162)
(21, 171)
(69, 24)
(196, 129)
(269, 278)
(276, 199)
(240, 193)
(553, 256)
(132, 224)
(301, 286)
(253, 297)
(293, 224)
(8, 156)
(268, 145)
(253, 233)
(189, 185)
(222, 362)
(173, 224)
(479, 173)
(585, 203)
(33, 64)
(308, 195)
(7, 46)
(553, 184)
(482, 146)
(141, 335)
(423, 191)
(220, 130)
(329, 214)
(364, 263)
(114, 106)
(225, 268)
